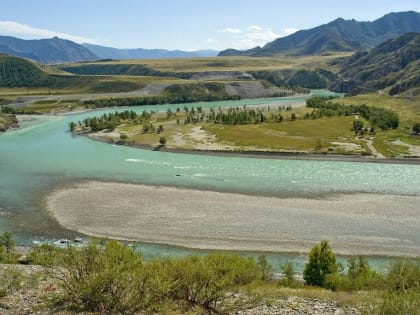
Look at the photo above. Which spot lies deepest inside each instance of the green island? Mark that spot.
(326, 125)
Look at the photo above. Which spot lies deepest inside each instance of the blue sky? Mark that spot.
(181, 24)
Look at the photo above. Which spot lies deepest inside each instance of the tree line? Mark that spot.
(377, 116)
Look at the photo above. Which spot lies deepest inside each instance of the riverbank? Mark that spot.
(367, 224)
(283, 155)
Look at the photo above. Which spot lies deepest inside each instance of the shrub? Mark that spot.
(289, 280)
(7, 248)
(403, 276)
(359, 277)
(265, 268)
(103, 277)
(46, 255)
(162, 140)
(398, 303)
(402, 295)
(10, 281)
(205, 280)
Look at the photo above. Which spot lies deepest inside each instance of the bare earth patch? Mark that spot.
(354, 224)
(200, 139)
(413, 150)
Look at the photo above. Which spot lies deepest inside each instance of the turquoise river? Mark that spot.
(43, 155)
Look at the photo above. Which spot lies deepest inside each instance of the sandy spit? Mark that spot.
(368, 224)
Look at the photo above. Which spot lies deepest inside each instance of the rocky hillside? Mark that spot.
(53, 50)
(393, 65)
(338, 36)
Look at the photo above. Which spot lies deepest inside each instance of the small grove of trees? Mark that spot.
(377, 116)
(416, 128)
(110, 121)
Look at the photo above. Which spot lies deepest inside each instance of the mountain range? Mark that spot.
(53, 50)
(57, 50)
(140, 53)
(337, 36)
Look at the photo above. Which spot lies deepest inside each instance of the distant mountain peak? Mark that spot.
(52, 50)
(338, 35)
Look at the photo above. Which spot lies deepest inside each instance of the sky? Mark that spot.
(181, 24)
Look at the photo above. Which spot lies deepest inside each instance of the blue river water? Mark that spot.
(43, 155)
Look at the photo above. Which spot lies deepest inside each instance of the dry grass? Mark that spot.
(228, 63)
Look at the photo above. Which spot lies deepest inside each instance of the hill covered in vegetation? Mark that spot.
(393, 65)
(338, 35)
(17, 72)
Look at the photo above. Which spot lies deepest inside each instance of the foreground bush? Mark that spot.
(359, 276)
(103, 277)
(111, 278)
(205, 280)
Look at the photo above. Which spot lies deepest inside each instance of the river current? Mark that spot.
(43, 155)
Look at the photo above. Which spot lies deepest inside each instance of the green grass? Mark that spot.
(408, 110)
(299, 135)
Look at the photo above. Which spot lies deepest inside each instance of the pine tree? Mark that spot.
(321, 263)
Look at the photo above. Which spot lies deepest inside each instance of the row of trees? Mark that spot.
(110, 121)
(377, 116)
(235, 116)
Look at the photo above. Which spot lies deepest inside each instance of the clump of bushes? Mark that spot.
(109, 277)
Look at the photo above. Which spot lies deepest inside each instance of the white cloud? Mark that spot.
(288, 31)
(27, 31)
(254, 35)
(231, 30)
(255, 28)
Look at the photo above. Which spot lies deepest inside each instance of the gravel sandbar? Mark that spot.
(369, 224)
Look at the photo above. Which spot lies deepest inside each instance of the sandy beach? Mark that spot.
(368, 224)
